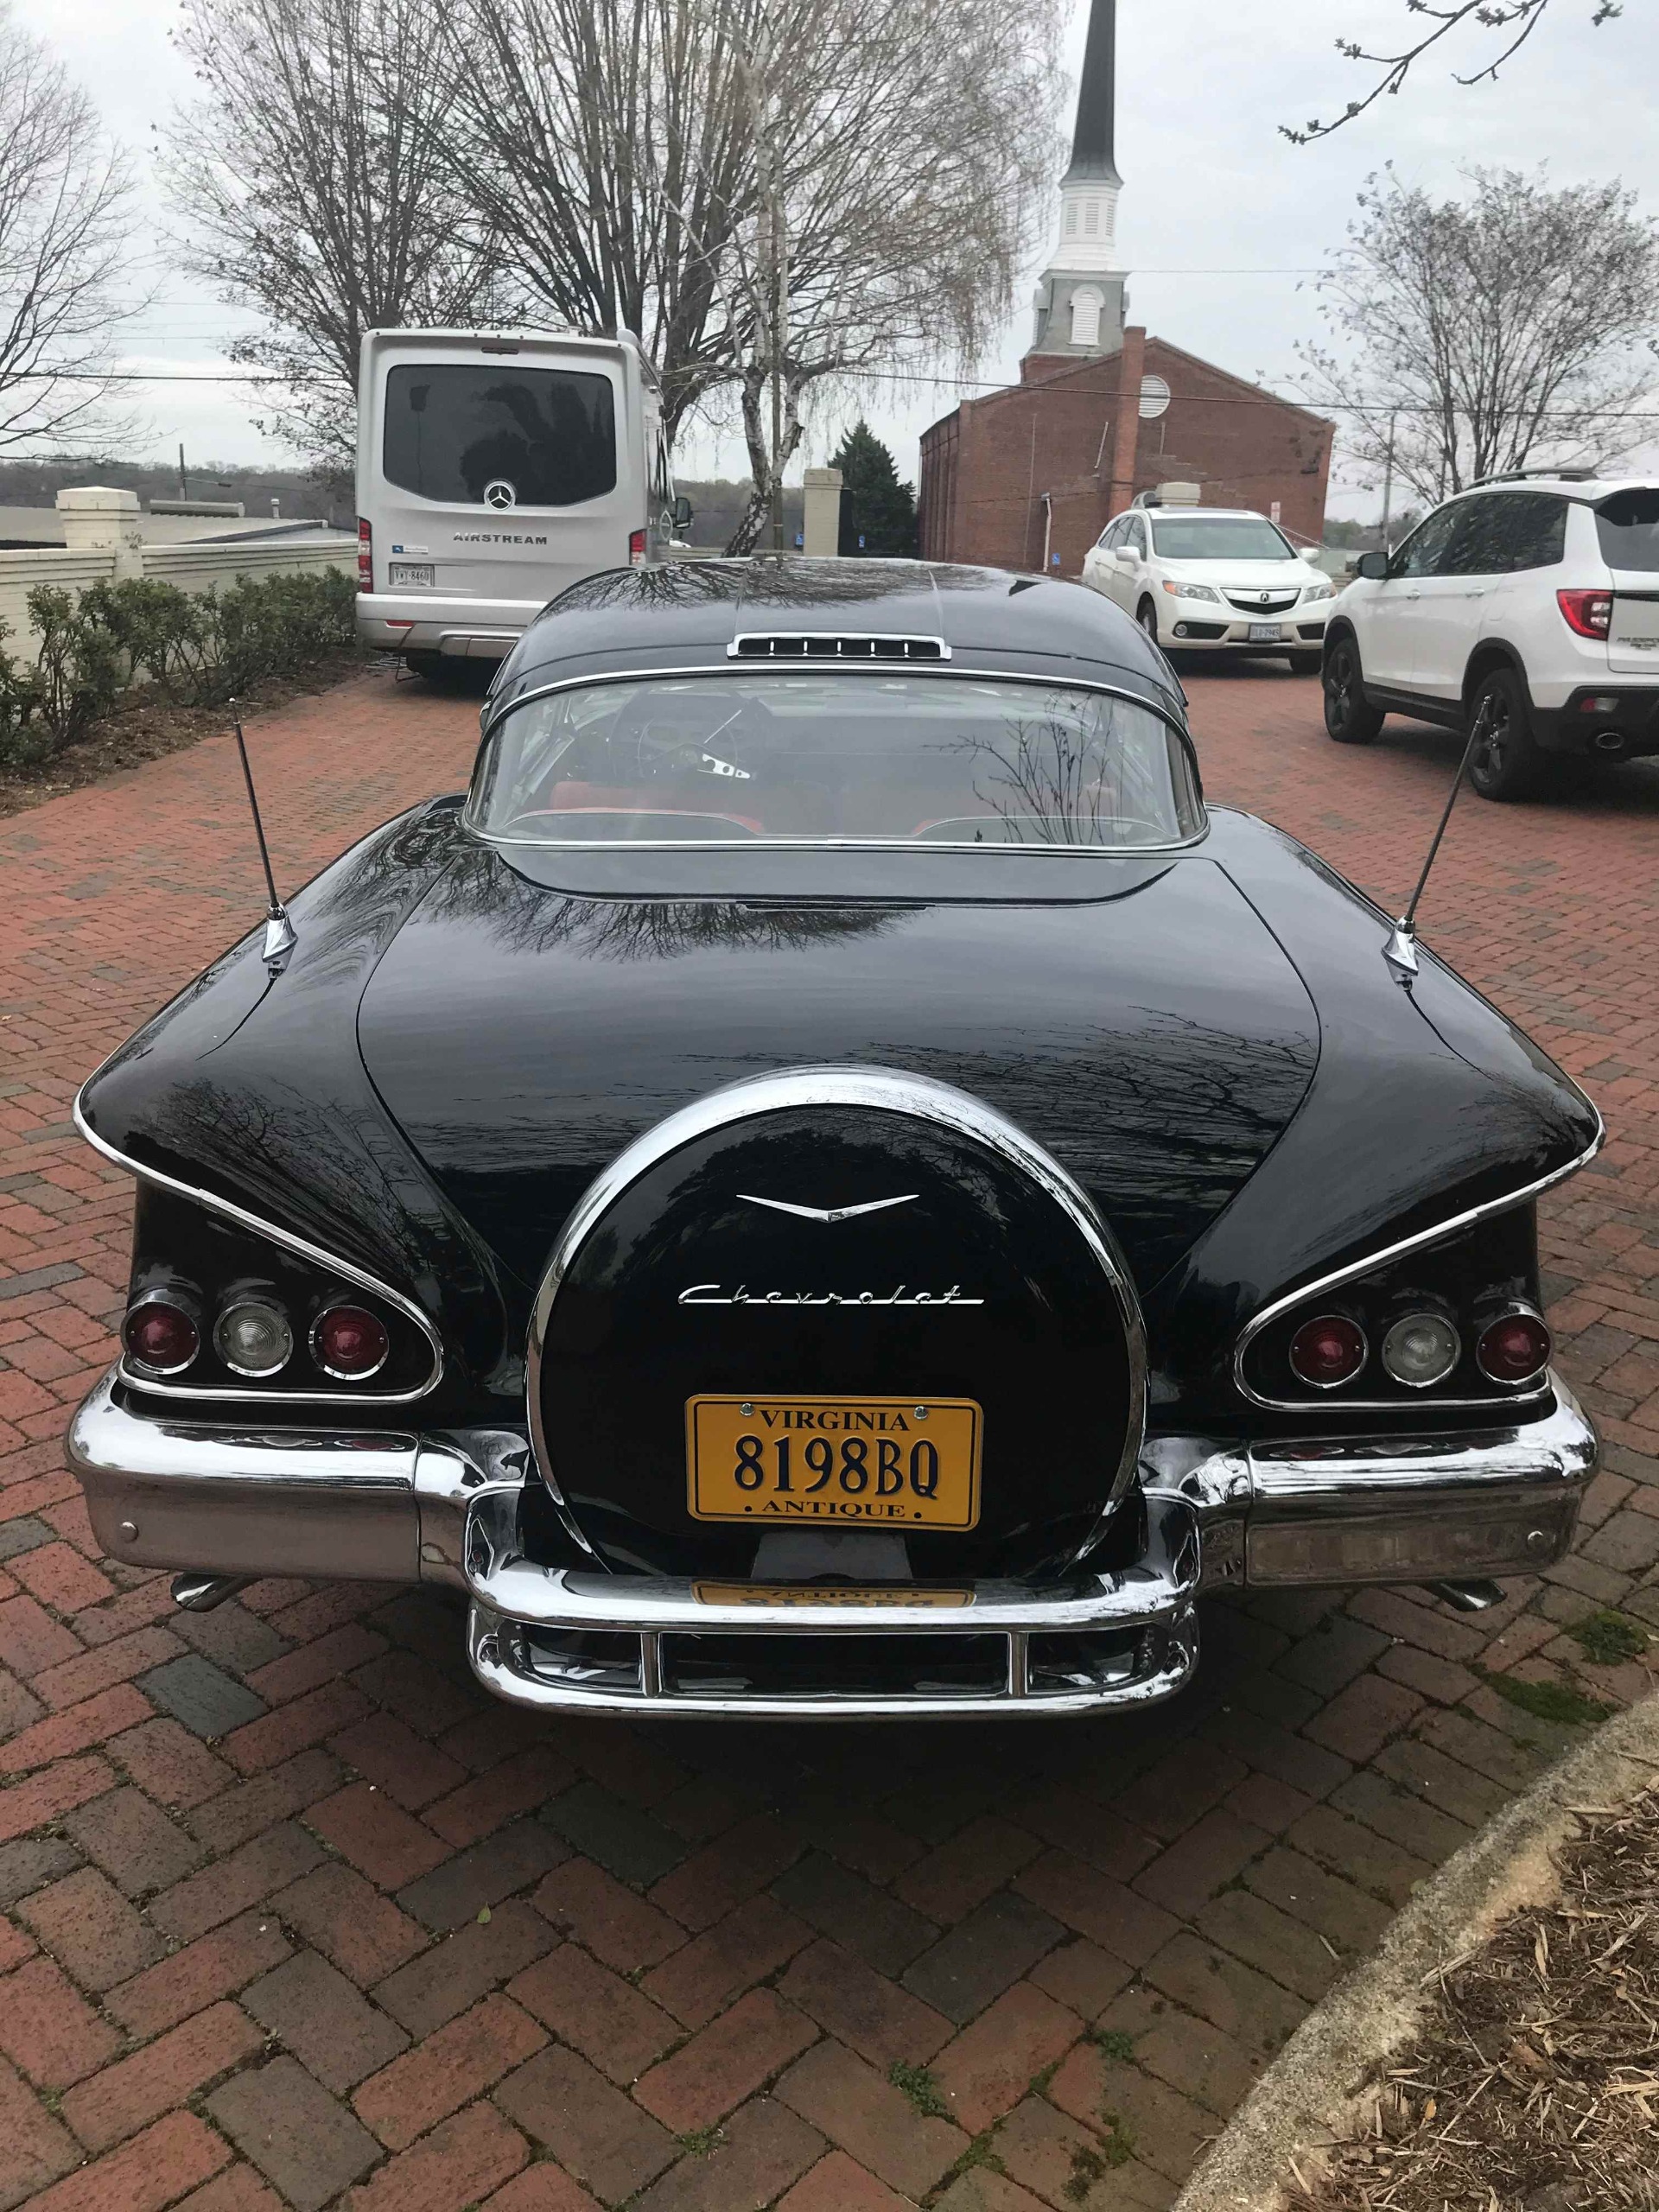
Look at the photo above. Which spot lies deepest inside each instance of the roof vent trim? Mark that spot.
(834, 645)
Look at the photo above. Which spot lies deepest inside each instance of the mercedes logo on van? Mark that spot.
(499, 495)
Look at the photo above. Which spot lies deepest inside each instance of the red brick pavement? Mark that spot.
(294, 1916)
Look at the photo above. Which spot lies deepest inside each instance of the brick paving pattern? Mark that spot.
(294, 1916)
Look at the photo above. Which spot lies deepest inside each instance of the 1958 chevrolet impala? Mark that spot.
(828, 1183)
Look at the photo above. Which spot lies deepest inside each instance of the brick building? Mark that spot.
(1027, 478)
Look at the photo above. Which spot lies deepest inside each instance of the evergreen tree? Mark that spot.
(875, 506)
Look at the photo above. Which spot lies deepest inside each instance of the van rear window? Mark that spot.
(456, 431)
(1627, 526)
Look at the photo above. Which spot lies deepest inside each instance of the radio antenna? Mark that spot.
(1401, 950)
(281, 937)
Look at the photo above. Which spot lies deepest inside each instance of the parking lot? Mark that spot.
(294, 1911)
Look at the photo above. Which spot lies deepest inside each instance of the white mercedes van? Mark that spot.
(493, 469)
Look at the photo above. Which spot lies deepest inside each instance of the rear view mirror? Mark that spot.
(1374, 565)
(682, 512)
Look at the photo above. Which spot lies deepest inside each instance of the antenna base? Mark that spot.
(1401, 953)
(281, 937)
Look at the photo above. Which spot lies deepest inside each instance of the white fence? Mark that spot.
(193, 566)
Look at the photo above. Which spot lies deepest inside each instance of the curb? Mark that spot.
(1314, 2088)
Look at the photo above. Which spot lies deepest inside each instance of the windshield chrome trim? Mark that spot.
(927, 670)
(304, 1249)
(889, 1089)
(1382, 1257)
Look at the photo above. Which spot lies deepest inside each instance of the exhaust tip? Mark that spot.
(1610, 740)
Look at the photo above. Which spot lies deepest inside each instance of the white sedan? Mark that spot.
(1213, 580)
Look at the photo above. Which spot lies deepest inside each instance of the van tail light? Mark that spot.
(636, 548)
(365, 556)
(1590, 613)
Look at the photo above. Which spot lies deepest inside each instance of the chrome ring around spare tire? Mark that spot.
(890, 1090)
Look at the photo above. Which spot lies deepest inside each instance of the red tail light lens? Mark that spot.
(160, 1337)
(1514, 1350)
(365, 556)
(636, 549)
(350, 1343)
(1328, 1351)
(1590, 613)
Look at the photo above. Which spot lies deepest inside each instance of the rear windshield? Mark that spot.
(836, 757)
(525, 437)
(1627, 526)
(1220, 537)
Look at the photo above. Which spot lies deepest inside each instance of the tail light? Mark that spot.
(365, 555)
(1328, 1351)
(1589, 614)
(636, 548)
(1514, 1348)
(1421, 1350)
(160, 1336)
(350, 1343)
(253, 1338)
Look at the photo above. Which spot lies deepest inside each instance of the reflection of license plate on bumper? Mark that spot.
(897, 1463)
(1266, 633)
(407, 576)
(896, 1597)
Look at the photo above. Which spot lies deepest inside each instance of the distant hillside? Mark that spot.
(36, 484)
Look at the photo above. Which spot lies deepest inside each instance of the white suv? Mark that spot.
(1532, 605)
(1213, 580)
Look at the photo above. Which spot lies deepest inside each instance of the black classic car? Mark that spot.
(829, 1183)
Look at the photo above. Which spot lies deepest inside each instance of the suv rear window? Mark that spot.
(456, 428)
(1628, 526)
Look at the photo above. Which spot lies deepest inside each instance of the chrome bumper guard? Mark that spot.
(392, 1506)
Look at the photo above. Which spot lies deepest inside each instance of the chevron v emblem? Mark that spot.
(829, 1213)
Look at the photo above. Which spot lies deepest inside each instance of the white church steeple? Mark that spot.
(1080, 302)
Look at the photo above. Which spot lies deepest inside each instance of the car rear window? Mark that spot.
(457, 432)
(1628, 526)
(835, 758)
(1220, 537)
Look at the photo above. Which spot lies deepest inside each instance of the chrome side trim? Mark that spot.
(886, 1090)
(304, 1249)
(1380, 1258)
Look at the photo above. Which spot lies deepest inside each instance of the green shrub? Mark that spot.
(197, 648)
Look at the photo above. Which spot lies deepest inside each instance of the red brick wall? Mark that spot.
(987, 466)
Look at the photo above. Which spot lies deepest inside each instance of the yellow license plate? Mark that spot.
(890, 1462)
(899, 1597)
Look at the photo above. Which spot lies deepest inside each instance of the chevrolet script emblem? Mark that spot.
(829, 1213)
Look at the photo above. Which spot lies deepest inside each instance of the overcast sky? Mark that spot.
(1223, 221)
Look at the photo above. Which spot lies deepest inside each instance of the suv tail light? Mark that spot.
(636, 549)
(1590, 613)
(365, 556)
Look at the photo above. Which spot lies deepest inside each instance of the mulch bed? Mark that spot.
(1534, 2086)
(145, 727)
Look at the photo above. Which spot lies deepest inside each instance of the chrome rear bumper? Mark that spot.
(388, 1505)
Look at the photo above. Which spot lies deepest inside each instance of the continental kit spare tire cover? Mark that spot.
(755, 1313)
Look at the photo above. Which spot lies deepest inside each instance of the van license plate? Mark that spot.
(1266, 633)
(412, 576)
(890, 1462)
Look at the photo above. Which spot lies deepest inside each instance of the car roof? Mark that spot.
(1588, 488)
(686, 615)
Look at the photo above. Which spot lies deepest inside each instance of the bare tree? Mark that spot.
(899, 157)
(1513, 22)
(1515, 327)
(320, 191)
(65, 226)
(605, 143)
(769, 192)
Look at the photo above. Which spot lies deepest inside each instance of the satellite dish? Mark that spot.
(1155, 396)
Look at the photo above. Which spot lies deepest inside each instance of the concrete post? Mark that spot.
(97, 518)
(821, 533)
